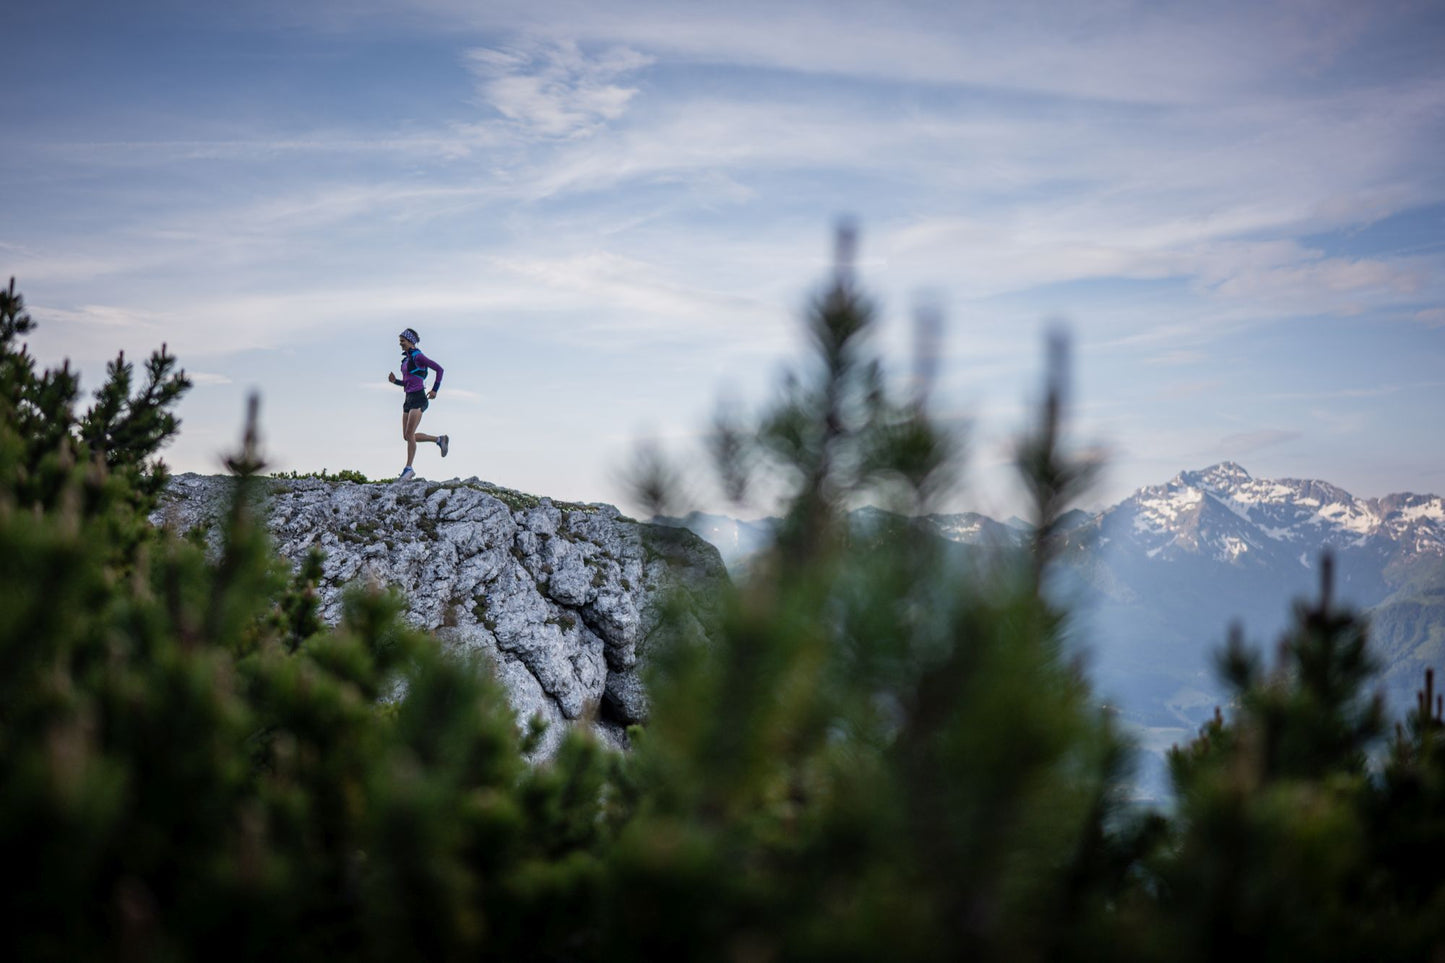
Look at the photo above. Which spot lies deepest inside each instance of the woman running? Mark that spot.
(413, 382)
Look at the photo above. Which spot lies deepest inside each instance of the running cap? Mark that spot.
(411, 335)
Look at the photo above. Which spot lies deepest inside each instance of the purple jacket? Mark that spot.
(413, 372)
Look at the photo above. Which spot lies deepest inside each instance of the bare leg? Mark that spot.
(409, 421)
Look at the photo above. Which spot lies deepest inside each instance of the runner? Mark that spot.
(413, 382)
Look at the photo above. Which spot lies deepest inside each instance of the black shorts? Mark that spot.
(417, 400)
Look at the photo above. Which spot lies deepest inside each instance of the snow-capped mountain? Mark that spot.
(1162, 576)
(1216, 546)
(1226, 514)
(1157, 580)
(971, 528)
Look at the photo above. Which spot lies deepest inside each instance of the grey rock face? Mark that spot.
(564, 599)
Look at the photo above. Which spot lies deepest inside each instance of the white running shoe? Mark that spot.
(444, 442)
(406, 474)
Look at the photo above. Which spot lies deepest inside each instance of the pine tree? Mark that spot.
(1272, 854)
(880, 754)
(1407, 831)
(194, 766)
(105, 459)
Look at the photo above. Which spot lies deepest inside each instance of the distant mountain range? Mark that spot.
(1156, 581)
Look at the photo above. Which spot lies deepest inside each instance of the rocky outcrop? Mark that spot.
(564, 599)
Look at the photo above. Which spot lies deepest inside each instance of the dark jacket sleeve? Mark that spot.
(437, 384)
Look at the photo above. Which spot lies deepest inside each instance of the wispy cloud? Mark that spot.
(207, 378)
(1188, 389)
(639, 177)
(1249, 442)
(627, 285)
(1180, 357)
(1340, 423)
(1340, 394)
(555, 89)
(1131, 51)
(101, 316)
(264, 145)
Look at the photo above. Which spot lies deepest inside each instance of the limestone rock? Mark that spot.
(563, 599)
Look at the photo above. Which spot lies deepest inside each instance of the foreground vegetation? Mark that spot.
(874, 757)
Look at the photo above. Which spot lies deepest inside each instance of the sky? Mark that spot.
(606, 217)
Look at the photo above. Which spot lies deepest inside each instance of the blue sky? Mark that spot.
(602, 217)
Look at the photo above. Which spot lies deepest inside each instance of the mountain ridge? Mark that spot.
(1308, 513)
(1156, 581)
(1279, 507)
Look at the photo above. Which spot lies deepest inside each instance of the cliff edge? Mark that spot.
(564, 599)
